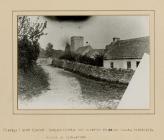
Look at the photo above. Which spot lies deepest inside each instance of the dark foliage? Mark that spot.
(97, 61)
(28, 53)
(49, 50)
(69, 56)
(28, 35)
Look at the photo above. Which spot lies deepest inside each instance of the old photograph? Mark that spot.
(83, 62)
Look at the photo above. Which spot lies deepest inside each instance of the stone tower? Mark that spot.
(76, 42)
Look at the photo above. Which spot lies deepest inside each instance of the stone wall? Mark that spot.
(110, 75)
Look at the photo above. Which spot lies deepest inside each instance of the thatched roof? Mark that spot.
(94, 52)
(83, 50)
(127, 49)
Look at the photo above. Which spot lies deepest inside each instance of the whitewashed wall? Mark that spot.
(121, 63)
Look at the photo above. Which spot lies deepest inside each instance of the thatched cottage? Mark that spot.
(125, 54)
(83, 50)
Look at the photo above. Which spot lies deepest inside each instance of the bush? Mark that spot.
(49, 50)
(97, 61)
(69, 56)
(29, 32)
(28, 53)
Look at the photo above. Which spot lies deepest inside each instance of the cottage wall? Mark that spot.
(121, 63)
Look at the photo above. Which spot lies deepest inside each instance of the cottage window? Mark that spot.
(128, 65)
(137, 63)
(111, 65)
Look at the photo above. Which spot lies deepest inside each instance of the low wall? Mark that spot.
(110, 75)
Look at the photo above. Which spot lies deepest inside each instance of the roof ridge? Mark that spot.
(132, 48)
(134, 38)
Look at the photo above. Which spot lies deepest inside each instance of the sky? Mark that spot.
(97, 30)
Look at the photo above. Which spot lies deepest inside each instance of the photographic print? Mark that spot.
(83, 62)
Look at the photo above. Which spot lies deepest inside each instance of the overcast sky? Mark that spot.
(97, 30)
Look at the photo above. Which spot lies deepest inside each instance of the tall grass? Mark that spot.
(32, 82)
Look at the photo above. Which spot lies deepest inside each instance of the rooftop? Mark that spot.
(127, 49)
(83, 50)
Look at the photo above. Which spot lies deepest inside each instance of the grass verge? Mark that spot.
(32, 82)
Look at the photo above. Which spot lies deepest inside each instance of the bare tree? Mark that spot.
(29, 32)
(32, 30)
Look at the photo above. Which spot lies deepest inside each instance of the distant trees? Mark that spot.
(49, 50)
(28, 35)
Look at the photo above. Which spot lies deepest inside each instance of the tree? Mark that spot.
(99, 60)
(32, 30)
(28, 35)
(49, 50)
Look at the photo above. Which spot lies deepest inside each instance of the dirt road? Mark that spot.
(71, 91)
